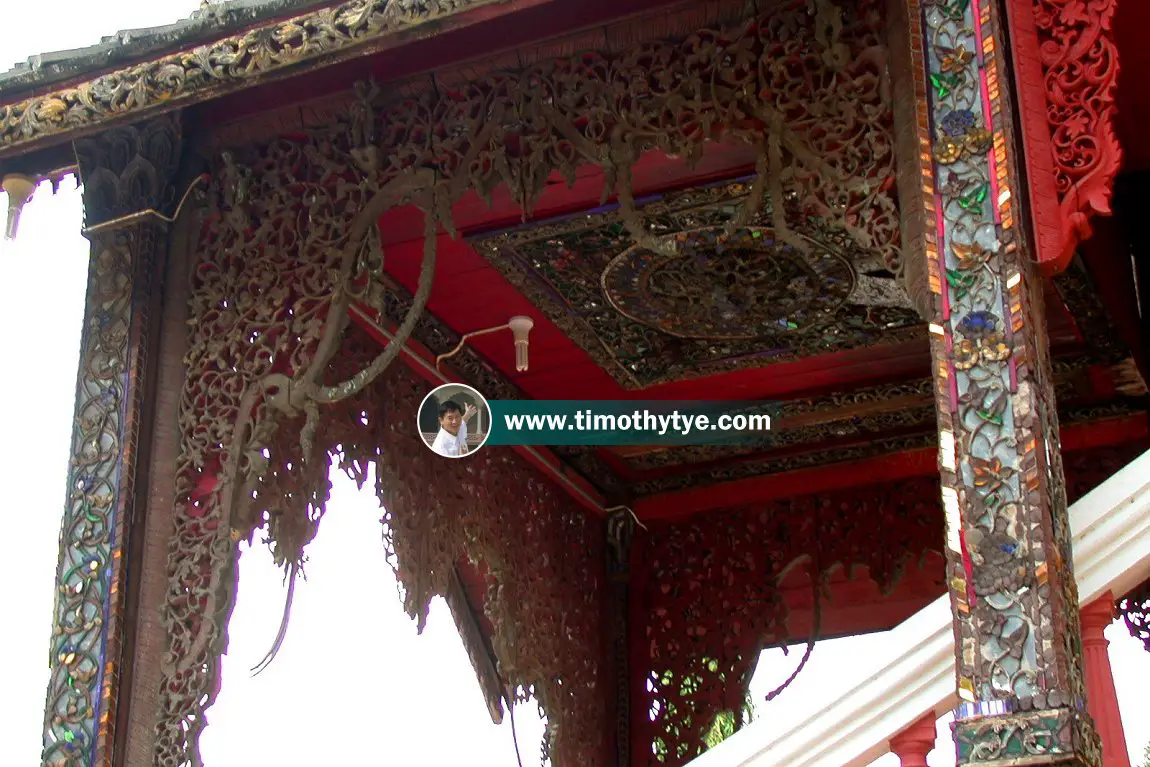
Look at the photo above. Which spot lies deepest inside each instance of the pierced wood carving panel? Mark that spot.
(710, 599)
(232, 63)
(251, 459)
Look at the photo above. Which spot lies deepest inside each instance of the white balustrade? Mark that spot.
(914, 676)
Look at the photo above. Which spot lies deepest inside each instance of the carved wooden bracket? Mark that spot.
(1066, 67)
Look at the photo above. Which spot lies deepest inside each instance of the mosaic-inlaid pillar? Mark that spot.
(620, 534)
(1019, 653)
(125, 171)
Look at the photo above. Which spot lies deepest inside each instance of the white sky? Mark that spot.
(353, 683)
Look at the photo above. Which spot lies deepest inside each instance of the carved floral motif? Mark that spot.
(809, 98)
(124, 169)
(1008, 538)
(1080, 67)
(1066, 68)
(232, 63)
(290, 241)
(280, 258)
(93, 519)
(269, 261)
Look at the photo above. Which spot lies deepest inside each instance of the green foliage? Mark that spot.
(722, 728)
(726, 724)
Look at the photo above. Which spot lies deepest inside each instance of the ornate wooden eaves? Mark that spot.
(1066, 66)
(325, 36)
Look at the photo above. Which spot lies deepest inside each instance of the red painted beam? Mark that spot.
(1105, 433)
(888, 468)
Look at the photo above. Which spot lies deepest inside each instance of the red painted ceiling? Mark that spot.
(469, 294)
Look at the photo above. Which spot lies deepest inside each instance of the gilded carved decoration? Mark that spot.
(1008, 540)
(124, 170)
(640, 315)
(767, 82)
(494, 131)
(92, 528)
(270, 257)
(207, 70)
(272, 392)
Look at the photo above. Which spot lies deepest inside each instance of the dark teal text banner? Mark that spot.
(629, 422)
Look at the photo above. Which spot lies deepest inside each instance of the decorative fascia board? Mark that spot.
(321, 37)
(916, 675)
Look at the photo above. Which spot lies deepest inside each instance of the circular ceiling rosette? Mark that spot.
(743, 285)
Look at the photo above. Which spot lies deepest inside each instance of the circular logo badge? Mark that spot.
(454, 420)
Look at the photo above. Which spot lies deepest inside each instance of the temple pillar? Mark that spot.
(125, 171)
(1102, 696)
(915, 742)
(969, 263)
(620, 531)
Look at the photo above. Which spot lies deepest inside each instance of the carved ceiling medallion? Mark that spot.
(745, 285)
(714, 302)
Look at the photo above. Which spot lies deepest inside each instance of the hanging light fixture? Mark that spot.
(19, 188)
(520, 327)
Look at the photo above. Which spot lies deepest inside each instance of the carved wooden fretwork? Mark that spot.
(709, 600)
(807, 91)
(229, 64)
(269, 264)
(1066, 63)
(276, 388)
(125, 170)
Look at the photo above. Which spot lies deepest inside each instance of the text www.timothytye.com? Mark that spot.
(639, 421)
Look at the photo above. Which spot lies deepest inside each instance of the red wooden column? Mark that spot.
(915, 742)
(1101, 697)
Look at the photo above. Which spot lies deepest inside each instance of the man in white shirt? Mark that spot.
(451, 441)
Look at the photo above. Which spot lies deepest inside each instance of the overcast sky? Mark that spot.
(353, 683)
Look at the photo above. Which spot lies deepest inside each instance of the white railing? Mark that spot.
(915, 674)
